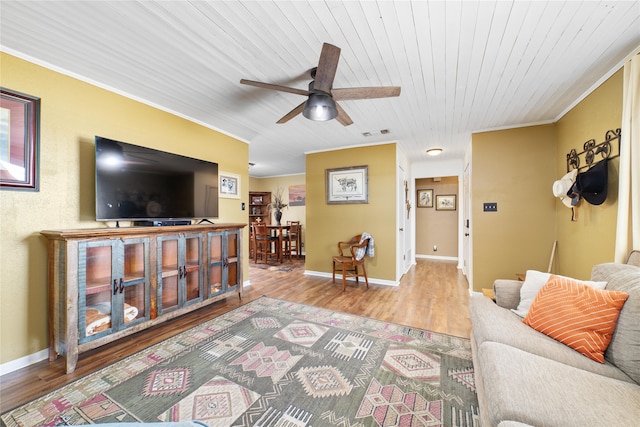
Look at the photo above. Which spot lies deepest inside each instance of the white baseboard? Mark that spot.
(353, 279)
(438, 258)
(23, 362)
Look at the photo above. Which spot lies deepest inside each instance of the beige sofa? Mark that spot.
(524, 377)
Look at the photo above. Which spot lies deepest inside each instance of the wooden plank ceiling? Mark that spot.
(463, 66)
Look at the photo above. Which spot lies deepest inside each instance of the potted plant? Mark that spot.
(277, 204)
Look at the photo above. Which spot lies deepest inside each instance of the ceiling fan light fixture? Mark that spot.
(434, 151)
(320, 107)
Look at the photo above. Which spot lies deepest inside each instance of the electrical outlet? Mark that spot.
(490, 207)
(435, 248)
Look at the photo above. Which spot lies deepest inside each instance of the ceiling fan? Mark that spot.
(321, 97)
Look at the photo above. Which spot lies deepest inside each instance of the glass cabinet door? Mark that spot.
(223, 262)
(179, 271)
(233, 256)
(135, 293)
(192, 270)
(215, 264)
(168, 273)
(113, 287)
(96, 286)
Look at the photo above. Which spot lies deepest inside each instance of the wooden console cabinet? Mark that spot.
(107, 283)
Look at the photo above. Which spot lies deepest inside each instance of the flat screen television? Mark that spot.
(150, 186)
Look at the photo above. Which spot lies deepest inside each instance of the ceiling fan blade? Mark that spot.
(275, 87)
(327, 66)
(291, 114)
(365, 92)
(343, 117)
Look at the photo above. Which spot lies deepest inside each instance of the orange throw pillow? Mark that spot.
(579, 316)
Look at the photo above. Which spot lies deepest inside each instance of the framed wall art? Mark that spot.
(347, 185)
(297, 195)
(19, 141)
(425, 198)
(229, 185)
(446, 202)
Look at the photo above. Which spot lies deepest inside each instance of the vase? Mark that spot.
(278, 216)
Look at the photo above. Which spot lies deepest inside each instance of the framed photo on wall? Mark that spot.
(229, 185)
(425, 198)
(19, 141)
(347, 185)
(446, 202)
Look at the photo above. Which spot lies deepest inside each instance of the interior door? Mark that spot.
(466, 226)
(404, 224)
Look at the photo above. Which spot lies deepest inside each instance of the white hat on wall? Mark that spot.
(563, 185)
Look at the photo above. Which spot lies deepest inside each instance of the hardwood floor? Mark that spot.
(433, 295)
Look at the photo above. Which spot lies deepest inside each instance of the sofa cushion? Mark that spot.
(624, 349)
(530, 389)
(577, 315)
(506, 292)
(533, 282)
(492, 323)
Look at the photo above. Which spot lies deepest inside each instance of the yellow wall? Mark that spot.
(290, 213)
(515, 168)
(72, 113)
(434, 227)
(591, 239)
(329, 224)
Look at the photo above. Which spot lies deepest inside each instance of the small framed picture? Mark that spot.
(229, 185)
(347, 185)
(446, 202)
(425, 198)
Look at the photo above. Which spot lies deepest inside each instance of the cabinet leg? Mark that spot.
(72, 360)
(53, 354)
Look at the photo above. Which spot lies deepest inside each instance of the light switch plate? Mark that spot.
(490, 207)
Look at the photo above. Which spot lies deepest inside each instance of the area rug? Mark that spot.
(286, 268)
(277, 363)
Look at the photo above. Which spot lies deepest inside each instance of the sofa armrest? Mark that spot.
(634, 258)
(507, 292)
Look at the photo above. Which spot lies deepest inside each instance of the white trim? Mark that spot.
(437, 258)
(339, 276)
(516, 126)
(23, 362)
(348, 147)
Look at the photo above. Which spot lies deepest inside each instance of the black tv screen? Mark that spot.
(142, 184)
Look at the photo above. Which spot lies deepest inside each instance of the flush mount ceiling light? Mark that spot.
(320, 107)
(434, 151)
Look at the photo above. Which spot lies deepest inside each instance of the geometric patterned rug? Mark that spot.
(276, 363)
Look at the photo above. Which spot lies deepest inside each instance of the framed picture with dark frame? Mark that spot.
(229, 186)
(347, 185)
(446, 202)
(425, 198)
(19, 141)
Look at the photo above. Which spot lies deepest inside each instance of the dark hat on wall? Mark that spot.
(592, 184)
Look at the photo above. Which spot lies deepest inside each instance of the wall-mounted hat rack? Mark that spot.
(607, 149)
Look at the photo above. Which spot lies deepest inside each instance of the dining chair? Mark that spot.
(347, 262)
(264, 245)
(291, 240)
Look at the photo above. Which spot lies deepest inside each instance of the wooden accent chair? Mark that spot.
(291, 240)
(347, 263)
(263, 243)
